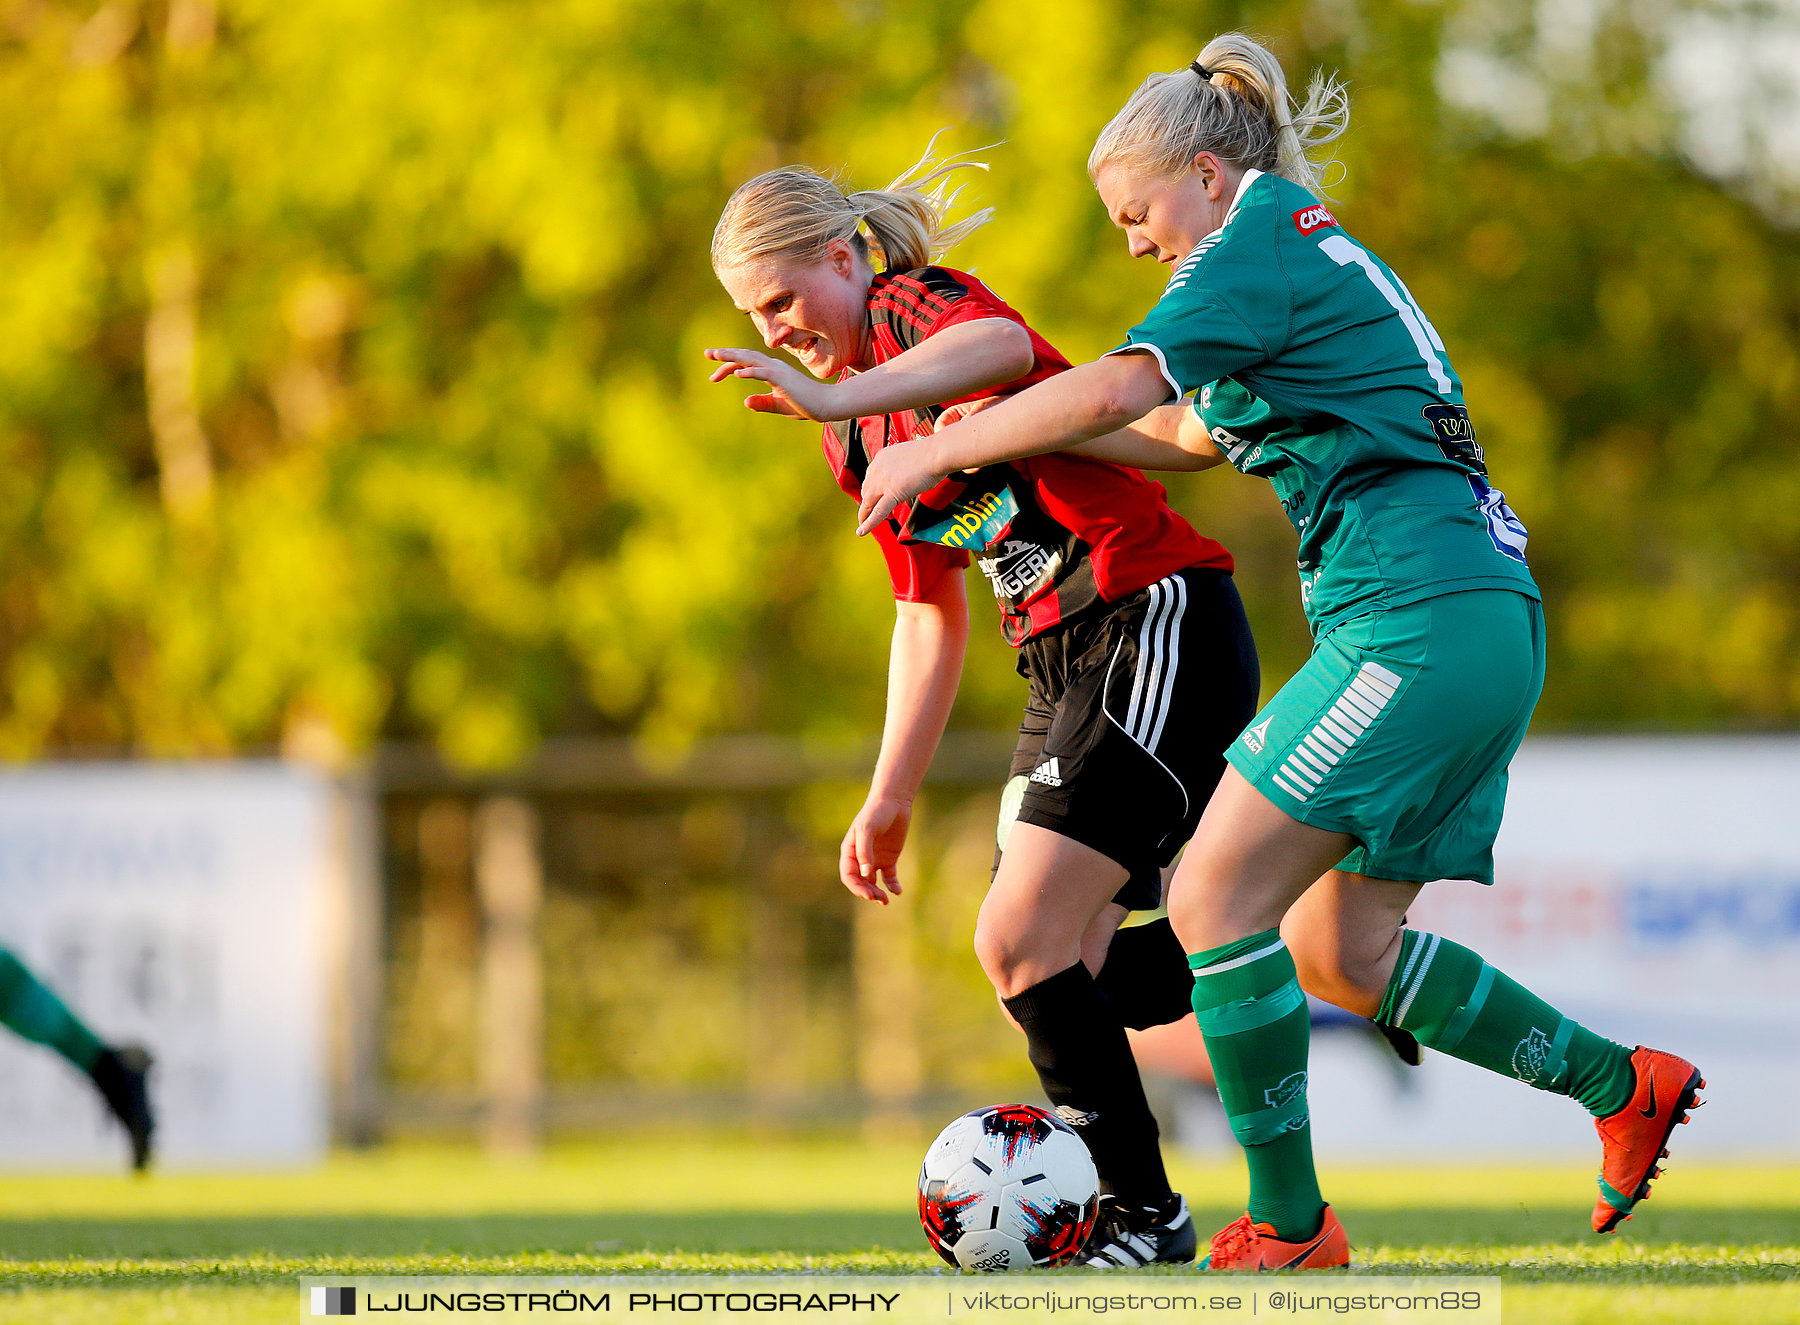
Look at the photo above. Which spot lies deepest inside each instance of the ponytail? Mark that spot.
(794, 213)
(1233, 102)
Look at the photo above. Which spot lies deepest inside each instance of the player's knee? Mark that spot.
(1183, 921)
(1198, 919)
(1015, 962)
(1320, 972)
(993, 951)
(1213, 902)
(1001, 958)
(1330, 971)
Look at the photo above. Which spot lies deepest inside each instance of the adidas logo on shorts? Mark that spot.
(1047, 773)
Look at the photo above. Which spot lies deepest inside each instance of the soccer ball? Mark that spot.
(1008, 1188)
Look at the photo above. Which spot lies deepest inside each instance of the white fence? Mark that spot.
(1648, 887)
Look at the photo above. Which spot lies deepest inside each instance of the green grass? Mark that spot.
(1717, 1244)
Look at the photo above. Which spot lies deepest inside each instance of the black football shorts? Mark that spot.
(1131, 708)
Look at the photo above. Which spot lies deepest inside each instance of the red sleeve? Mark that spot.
(971, 309)
(907, 307)
(912, 305)
(916, 569)
(979, 303)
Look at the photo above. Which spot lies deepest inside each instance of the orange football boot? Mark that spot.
(1248, 1248)
(1635, 1137)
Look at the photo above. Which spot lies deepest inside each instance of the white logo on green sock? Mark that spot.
(1284, 1093)
(1530, 1055)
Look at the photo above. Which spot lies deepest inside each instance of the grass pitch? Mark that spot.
(1716, 1244)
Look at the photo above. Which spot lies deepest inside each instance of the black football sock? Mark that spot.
(1146, 976)
(1079, 1049)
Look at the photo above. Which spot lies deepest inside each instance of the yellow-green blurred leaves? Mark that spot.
(350, 375)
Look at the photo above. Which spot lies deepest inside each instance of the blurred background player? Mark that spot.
(1381, 765)
(120, 1073)
(1130, 631)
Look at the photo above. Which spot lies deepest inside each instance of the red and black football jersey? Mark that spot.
(1055, 534)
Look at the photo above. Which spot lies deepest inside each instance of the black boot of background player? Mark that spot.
(1402, 1043)
(122, 1074)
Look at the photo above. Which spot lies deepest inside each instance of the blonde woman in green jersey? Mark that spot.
(1381, 765)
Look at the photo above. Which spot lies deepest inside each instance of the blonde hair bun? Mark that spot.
(793, 213)
(1232, 101)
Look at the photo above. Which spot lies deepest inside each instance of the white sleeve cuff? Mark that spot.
(1162, 364)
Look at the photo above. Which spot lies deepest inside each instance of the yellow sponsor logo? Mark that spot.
(971, 521)
(974, 524)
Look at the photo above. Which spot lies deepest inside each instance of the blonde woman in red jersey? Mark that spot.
(1129, 629)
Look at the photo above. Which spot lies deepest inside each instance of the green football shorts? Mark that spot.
(1398, 731)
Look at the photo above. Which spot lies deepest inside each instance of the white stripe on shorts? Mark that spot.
(1159, 658)
(1318, 752)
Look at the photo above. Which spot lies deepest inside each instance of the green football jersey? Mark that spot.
(1314, 367)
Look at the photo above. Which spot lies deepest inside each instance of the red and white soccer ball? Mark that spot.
(1009, 1187)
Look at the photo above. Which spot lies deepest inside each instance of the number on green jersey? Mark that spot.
(1345, 251)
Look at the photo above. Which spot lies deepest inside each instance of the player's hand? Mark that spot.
(870, 857)
(792, 393)
(897, 473)
(873, 512)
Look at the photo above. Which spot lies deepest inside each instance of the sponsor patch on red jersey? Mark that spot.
(1316, 217)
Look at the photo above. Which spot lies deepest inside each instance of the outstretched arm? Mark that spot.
(1169, 437)
(1077, 406)
(945, 366)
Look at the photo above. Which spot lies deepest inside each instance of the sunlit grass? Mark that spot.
(1716, 1244)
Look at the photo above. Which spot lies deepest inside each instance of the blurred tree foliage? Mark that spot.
(350, 376)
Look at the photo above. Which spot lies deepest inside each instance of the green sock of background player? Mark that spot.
(1453, 1001)
(1248, 1002)
(27, 1007)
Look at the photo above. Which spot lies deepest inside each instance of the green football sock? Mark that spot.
(37, 1014)
(1452, 1000)
(1250, 1008)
